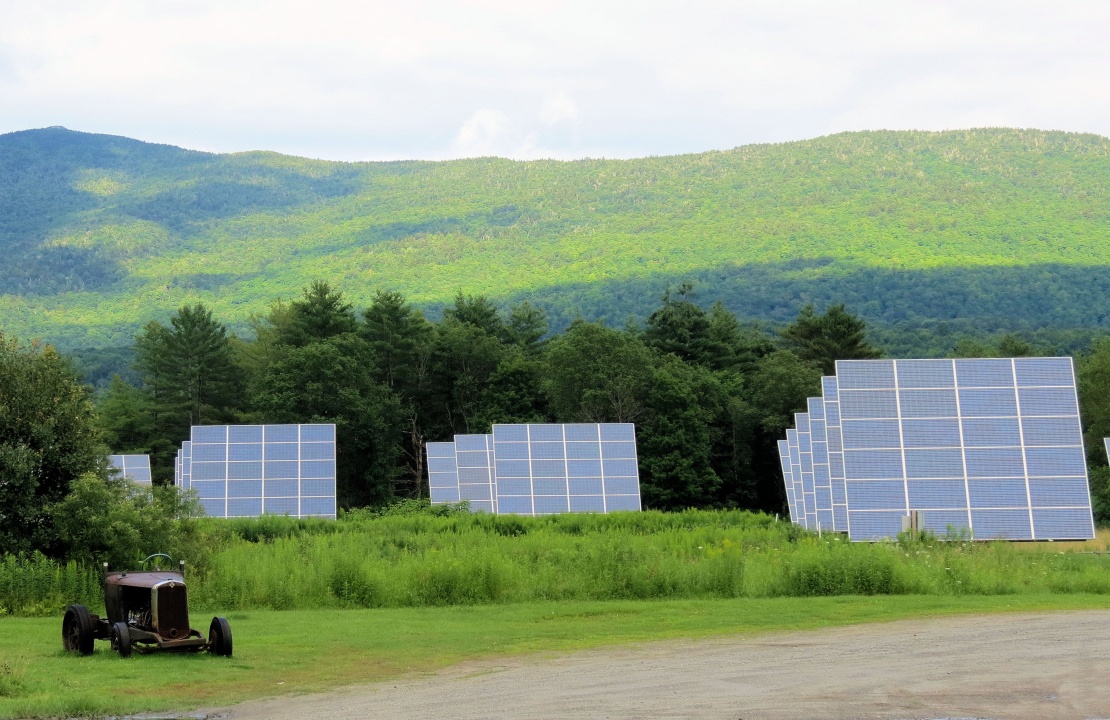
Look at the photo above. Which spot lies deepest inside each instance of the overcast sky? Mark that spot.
(398, 79)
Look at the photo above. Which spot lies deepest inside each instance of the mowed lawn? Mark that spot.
(308, 650)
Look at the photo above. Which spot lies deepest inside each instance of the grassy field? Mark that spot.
(425, 560)
(302, 651)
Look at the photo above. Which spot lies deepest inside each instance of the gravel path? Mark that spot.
(1042, 666)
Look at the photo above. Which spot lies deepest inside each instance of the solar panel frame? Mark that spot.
(963, 438)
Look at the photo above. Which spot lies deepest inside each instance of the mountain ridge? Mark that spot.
(105, 232)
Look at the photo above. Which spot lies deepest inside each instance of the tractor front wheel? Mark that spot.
(219, 637)
(78, 630)
(121, 639)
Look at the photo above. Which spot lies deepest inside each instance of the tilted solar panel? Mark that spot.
(186, 465)
(822, 479)
(582, 467)
(989, 446)
(836, 453)
(805, 452)
(796, 476)
(248, 470)
(443, 478)
(474, 462)
(788, 479)
(133, 467)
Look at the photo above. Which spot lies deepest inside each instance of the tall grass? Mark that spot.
(460, 558)
(36, 585)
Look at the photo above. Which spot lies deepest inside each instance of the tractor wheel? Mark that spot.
(77, 630)
(219, 637)
(121, 639)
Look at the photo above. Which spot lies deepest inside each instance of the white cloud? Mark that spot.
(348, 79)
(482, 134)
(559, 108)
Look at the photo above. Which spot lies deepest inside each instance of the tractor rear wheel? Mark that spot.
(78, 630)
(121, 639)
(219, 637)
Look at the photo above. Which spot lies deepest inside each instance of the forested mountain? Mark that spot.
(926, 235)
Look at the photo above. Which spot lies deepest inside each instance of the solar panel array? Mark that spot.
(135, 468)
(992, 447)
(248, 470)
(539, 469)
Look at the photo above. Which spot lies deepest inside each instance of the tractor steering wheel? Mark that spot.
(157, 563)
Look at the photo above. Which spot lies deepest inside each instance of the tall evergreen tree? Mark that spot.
(680, 327)
(401, 341)
(188, 366)
(321, 313)
(476, 311)
(824, 339)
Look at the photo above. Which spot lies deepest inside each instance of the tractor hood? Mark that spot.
(143, 579)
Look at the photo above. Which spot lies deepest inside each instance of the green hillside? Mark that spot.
(986, 230)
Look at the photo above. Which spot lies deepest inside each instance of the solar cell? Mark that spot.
(133, 467)
(248, 470)
(989, 446)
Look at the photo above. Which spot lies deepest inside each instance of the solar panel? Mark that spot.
(796, 475)
(583, 467)
(474, 462)
(992, 446)
(788, 479)
(443, 478)
(135, 468)
(836, 453)
(805, 452)
(822, 479)
(248, 470)
(187, 465)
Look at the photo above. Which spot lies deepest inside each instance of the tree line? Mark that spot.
(709, 396)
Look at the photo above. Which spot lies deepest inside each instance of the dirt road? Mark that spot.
(1042, 666)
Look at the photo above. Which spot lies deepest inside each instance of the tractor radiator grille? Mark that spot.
(172, 611)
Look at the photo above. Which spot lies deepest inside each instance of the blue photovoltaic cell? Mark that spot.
(540, 469)
(247, 470)
(135, 468)
(990, 447)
